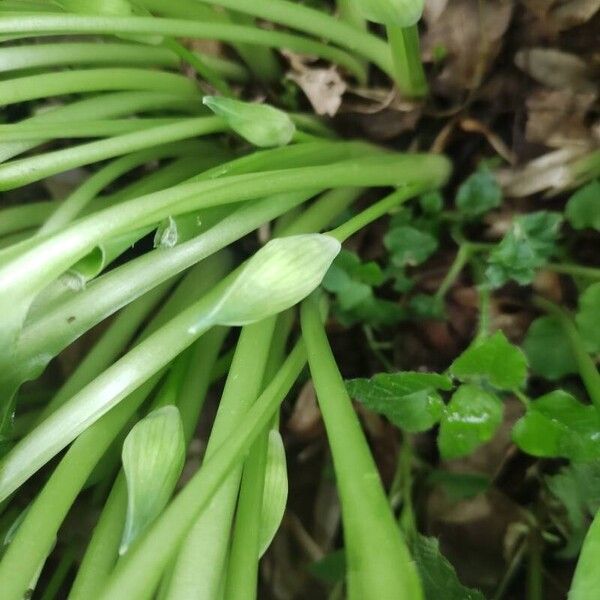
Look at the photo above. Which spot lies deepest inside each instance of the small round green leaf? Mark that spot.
(471, 418)
(583, 207)
(588, 317)
(548, 349)
(494, 360)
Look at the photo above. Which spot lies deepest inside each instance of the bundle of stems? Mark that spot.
(162, 182)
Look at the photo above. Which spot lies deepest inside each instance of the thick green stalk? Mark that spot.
(107, 390)
(27, 170)
(102, 106)
(379, 564)
(25, 216)
(315, 22)
(74, 204)
(39, 528)
(119, 53)
(151, 555)
(586, 580)
(75, 24)
(45, 85)
(102, 551)
(200, 564)
(406, 56)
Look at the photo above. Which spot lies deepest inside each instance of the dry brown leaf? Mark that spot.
(556, 118)
(324, 88)
(470, 32)
(556, 69)
(434, 9)
(570, 13)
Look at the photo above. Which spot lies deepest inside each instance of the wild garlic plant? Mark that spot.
(165, 172)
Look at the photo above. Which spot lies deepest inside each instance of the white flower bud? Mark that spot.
(278, 276)
(260, 124)
(402, 13)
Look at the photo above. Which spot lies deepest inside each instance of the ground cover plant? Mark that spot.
(248, 351)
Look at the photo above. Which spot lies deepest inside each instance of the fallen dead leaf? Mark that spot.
(556, 118)
(470, 32)
(324, 88)
(556, 69)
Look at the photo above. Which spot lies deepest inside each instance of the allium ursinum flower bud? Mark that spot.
(277, 277)
(403, 13)
(260, 124)
(153, 455)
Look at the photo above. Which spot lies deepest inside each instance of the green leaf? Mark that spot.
(478, 194)
(493, 360)
(588, 318)
(260, 124)
(153, 456)
(409, 246)
(275, 492)
(548, 349)
(470, 419)
(438, 576)
(583, 207)
(558, 425)
(528, 245)
(408, 399)
(331, 568)
(425, 306)
(577, 487)
(431, 203)
(352, 283)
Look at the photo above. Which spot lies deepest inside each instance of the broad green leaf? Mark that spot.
(558, 425)
(275, 491)
(402, 13)
(588, 317)
(279, 275)
(478, 194)
(438, 576)
(527, 246)
(470, 419)
(494, 360)
(583, 207)
(153, 456)
(577, 487)
(409, 400)
(409, 246)
(260, 124)
(548, 349)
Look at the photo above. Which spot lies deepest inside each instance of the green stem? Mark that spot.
(535, 590)
(102, 551)
(410, 76)
(86, 53)
(199, 66)
(460, 260)
(378, 210)
(53, 587)
(75, 24)
(45, 85)
(574, 270)
(84, 129)
(115, 104)
(200, 563)
(27, 170)
(313, 21)
(586, 366)
(379, 564)
(151, 555)
(25, 216)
